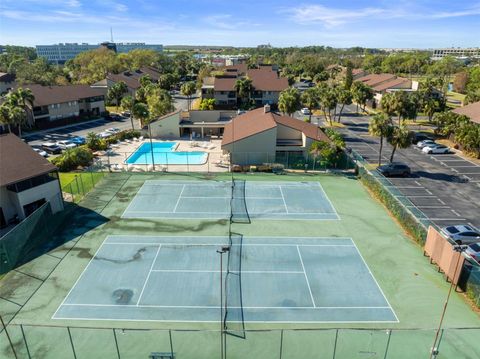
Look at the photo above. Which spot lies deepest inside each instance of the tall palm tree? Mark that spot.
(188, 89)
(400, 137)
(310, 100)
(117, 91)
(289, 101)
(244, 88)
(389, 104)
(380, 125)
(18, 118)
(127, 103)
(344, 97)
(5, 117)
(140, 111)
(23, 99)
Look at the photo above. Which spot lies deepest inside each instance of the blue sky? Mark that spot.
(338, 23)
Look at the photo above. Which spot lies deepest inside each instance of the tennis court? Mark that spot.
(282, 279)
(212, 200)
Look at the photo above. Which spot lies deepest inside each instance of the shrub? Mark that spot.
(94, 143)
(71, 159)
(129, 134)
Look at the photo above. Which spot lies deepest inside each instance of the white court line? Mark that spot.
(306, 277)
(217, 271)
(283, 197)
(375, 280)
(179, 198)
(210, 306)
(78, 279)
(328, 199)
(190, 244)
(148, 276)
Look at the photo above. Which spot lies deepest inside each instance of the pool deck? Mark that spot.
(120, 152)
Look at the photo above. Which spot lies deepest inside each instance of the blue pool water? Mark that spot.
(164, 154)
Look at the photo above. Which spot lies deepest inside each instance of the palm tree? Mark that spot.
(310, 100)
(389, 104)
(18, 118)
(140, 111)
(344, 97)
(188, 89)
(127, 103)
(400, 137)
(5, 117)
(117, 91)
(23, 99)
(289, 101)
(380, 125)
(244, 88)
(328, 101)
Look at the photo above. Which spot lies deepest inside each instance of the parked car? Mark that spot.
(78, 140)
(113, 130)
(305, 111)
(105, 134)
(66, 144)
(114, 117)
(473, 251)
(51, 147)
(394, 169)
(41, 152)
(419, 136)
(436, 148)
(424, 143)
(462, 234)
(126, 114)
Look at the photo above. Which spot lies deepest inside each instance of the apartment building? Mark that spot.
(266, 83)
(130, 78)
(460, 53)
(383, 83)
(55, 103)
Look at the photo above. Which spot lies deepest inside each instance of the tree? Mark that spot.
(23, 99)
(448, 122)
(5, 116)
(140, 111)
(380, 125)
(349, 76)
(388, 104)
(94, 143)
(310, 100)
(128, 102)
(207, 104)
(159, 102)
(328, 101)
(430, 107)
(400, 137)
(289, 101)
(468, 136)
(361, 94)
(460, 82)
(344, 96)
(116, 92)
(188, 89)
(18, 118)
(91, 66)
(327, 151)
(244, 88)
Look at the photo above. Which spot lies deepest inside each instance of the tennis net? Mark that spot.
(233, 317)
(239, 212)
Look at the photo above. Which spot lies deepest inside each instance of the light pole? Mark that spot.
(221, 251)
(434, 352)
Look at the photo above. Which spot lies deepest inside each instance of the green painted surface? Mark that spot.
(412, 285)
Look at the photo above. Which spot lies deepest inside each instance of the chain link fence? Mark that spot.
(30, 341)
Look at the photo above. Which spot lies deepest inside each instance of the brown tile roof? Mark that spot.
(264, 80)
(257, 121)
(132, 82)
(357, 71)
(47, 95)
(394, 83)
(19, 162)
(132, 78)
(241, 68)
(472, 111)
(375, 79)
(224, 83)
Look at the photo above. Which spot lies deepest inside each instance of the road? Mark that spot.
(82, 129)
(446, 188)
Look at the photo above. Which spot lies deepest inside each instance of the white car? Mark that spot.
(105, 134)
(473, 251)
(305, 111)
(436, 148)
(41, 152)
(113, 130)
(66, 144)
(462, 234)
(425, 143)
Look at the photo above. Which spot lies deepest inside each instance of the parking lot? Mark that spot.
(445, 187)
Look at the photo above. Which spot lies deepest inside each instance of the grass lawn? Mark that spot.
(85, 182)
(455, 96)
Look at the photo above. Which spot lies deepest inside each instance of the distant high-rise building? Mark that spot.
(460, 53)
(60, 53)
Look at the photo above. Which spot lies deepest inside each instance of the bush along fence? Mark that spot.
(413, 220)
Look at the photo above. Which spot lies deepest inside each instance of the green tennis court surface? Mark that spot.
(288, 280)
(211, 200)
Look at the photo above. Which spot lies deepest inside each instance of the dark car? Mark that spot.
(418, 136)
(114, 117)
(394, 169)
(51, 147)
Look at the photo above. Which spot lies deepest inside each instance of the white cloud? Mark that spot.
(121, 7)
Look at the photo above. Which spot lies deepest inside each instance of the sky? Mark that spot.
(336, 23)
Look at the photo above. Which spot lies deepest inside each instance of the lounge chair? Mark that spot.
(140, 138)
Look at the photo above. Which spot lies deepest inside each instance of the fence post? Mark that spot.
(83, 187)
(71, 343)
(8, 337)
(91, 178)
(116, 342)
(281, 343)
(78, 186)
(25, 341)
(171, 342)
(188, 169)
(71, 192)
(335, 345)
(388, 343)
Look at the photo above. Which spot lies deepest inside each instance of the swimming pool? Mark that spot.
(164, 154)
